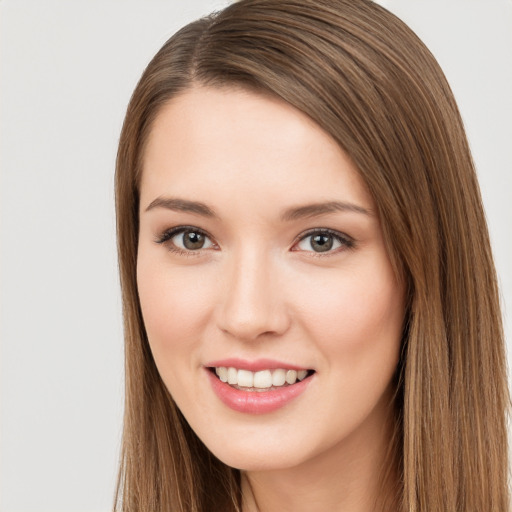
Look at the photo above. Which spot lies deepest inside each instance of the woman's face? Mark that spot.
(261, 261)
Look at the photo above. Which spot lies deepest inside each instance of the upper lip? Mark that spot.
(254, 366)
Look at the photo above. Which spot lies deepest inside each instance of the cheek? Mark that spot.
(175, 308)
(356, 317)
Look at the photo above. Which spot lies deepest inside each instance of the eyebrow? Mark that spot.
(291, 214)
(317, 209)
(182, 205)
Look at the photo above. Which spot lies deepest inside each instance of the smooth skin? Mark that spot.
(254, 276)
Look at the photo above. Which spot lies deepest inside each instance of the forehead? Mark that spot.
(241, 144)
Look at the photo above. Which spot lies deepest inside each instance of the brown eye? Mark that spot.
(323, 241)
(185, 239)
(193, 240)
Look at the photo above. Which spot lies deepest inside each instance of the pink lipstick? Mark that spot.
(257, 387)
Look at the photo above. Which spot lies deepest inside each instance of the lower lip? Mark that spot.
(256, 402)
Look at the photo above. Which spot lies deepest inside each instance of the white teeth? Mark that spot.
(278, 377)
(222, 372)
(232, 376)
(245, 378)
(264, 379)
(291, 376)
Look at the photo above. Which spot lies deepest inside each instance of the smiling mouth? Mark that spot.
(264, 380)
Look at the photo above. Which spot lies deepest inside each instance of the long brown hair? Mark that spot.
(369, 82)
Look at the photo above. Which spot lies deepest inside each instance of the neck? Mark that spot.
(357, 475)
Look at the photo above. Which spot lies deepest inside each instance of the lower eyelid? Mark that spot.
(168, 234)
(342, 239)
(165, 239)
(210, 242)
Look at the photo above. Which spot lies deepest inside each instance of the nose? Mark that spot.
(252, 304)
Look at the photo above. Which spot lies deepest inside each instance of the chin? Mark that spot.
(257, 460)
(254, 454)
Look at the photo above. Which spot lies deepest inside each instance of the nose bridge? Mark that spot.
(252, 304)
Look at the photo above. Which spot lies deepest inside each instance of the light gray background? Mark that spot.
(67, 72)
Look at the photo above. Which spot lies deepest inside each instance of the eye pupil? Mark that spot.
(193, 240)
(322, 242)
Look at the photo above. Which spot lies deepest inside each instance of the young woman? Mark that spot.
(311, 310)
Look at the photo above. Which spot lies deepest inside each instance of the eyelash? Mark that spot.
(167, 235)
(346, 242)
